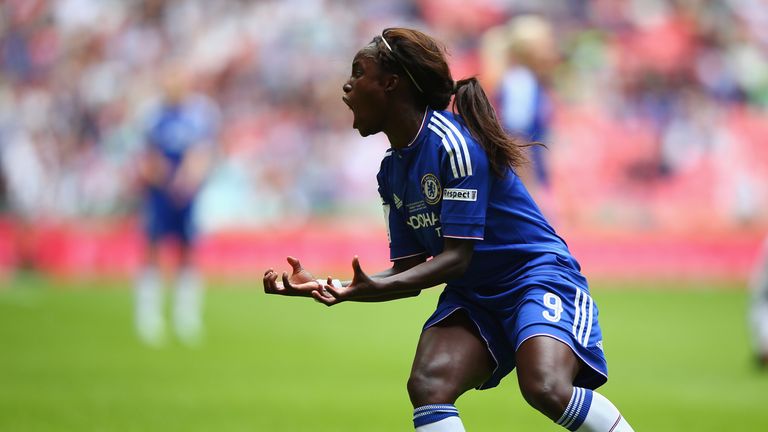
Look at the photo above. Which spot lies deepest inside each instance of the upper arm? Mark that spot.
(403, 264)
(460, 251)
(451, 263)
(465, 175)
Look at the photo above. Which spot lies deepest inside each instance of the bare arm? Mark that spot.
(398, 267)
(194, 169)
(450, 264)
(301, 283)
(152, 168)
(401, 265)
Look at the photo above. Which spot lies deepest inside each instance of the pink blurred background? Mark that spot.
(658, 149)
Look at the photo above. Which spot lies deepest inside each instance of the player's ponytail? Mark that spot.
(422, 59)
(478, 114)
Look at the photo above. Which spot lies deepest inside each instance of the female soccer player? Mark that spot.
(514, 294)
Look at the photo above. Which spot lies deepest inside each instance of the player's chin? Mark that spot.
(363, 132)
(361, 129)
(364, 128)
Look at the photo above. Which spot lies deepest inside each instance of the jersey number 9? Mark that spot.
(555, 306)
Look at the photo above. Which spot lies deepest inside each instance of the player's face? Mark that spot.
(364, 93)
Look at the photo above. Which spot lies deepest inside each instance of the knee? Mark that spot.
(549, 395)
(431, 385)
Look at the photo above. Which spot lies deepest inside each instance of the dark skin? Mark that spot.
(451, 357)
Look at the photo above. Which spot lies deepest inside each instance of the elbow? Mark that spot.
(458, 257)
(459, 266)
(414, 293)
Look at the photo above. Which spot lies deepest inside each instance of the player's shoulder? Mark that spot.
(385, 160)
(454, 143)
(449, 127)
(384, 167)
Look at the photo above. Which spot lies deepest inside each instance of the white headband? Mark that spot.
(413, 80)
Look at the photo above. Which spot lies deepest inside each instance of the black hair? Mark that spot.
(423, 60)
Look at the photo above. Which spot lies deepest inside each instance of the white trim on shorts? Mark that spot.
(575, 351)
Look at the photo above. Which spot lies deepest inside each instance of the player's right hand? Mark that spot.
(299, 283)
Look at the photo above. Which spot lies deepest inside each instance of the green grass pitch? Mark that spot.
(678, 359)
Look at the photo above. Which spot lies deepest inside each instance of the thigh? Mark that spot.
(452, 355)
(543, 359)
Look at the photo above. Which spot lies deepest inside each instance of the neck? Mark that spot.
(405, 124)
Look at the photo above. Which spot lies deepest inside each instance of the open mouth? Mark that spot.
(346, 101)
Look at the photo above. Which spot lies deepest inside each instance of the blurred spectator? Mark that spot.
(646, 100)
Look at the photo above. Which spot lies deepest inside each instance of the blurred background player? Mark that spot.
(180, 141)
(758, 308)
(519, 60)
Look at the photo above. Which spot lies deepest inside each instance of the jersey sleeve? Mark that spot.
(466, 183)
(402, 241)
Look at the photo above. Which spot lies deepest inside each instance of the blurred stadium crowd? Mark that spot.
(660, 106)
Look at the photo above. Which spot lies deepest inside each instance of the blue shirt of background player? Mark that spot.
(525, 110)
(441, 186)
(173, 131)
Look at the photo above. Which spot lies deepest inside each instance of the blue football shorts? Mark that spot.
(553, 305)
(164, 218)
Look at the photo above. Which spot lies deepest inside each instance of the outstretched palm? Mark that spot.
(299, 283)
(299, 274)
(361, 286)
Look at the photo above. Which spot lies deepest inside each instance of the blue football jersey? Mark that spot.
(525, 110)
(522, 281)
(175, 129)
(441, 186)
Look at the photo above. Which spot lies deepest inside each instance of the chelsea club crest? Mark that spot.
(430, 188)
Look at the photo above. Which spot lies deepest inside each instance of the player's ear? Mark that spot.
(391, 82)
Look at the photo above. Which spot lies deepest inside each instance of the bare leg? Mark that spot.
(451, 358)
(546, 368)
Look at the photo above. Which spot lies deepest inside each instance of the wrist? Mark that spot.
(334, 283)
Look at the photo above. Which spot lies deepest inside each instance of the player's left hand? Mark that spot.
(182, 188)
(299, 283)
(361, 286)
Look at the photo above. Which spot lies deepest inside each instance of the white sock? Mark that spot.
(187, 307)
(590, 411)
(758, 309)
(149, 322)
(759, 323)
(437, 418)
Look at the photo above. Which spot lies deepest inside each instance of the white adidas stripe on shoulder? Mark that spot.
(453, 147)
(456, 148)
(458, 134)
(447, 146)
